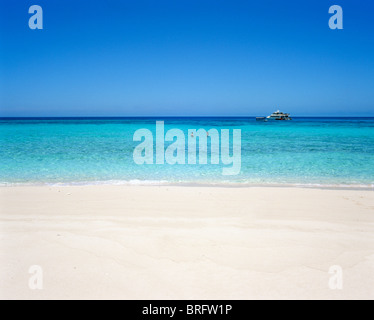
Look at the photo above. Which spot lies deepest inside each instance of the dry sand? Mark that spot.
(117, 242)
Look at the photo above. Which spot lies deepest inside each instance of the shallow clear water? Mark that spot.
(306, 151)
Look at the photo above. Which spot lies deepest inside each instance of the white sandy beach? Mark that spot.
(137, 242)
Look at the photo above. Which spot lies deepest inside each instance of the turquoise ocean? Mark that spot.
(331, 152)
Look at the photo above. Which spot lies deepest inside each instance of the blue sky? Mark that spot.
(186, 58)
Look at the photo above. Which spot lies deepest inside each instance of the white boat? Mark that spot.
(277, 115)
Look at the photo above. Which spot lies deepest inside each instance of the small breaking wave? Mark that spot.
(181, 183)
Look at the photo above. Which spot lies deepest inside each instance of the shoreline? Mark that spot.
(131, 242)
(150, 183)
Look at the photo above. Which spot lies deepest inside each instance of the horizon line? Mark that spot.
(195, 116)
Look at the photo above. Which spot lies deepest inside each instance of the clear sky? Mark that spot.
(186, 58)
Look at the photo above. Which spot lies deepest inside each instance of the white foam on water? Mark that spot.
(137, 182)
